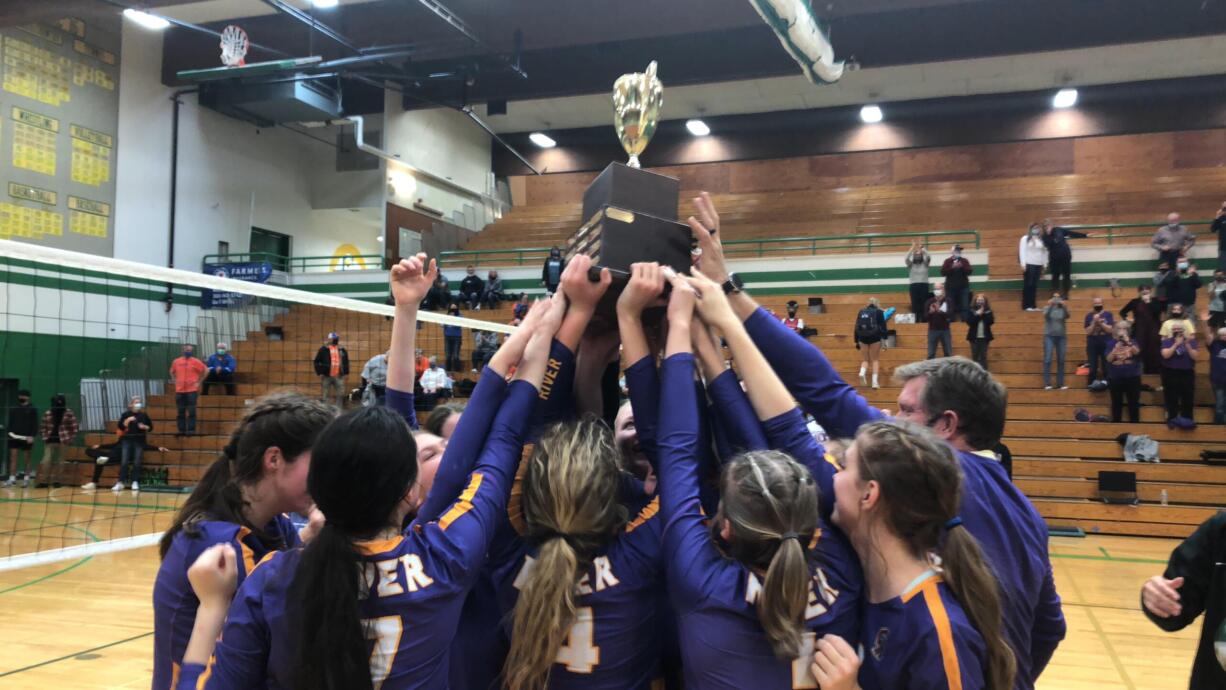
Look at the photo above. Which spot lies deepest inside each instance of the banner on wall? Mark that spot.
(248, 271)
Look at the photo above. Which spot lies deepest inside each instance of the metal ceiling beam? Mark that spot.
(312, 22)
(442, 12)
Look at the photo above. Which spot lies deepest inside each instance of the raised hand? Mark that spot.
(582, 292)
(681, 302)
(710, 262)
(214, 575)
(835, 664)
(1160, 596)
(645, 287)
(411, 279)
(713, 304)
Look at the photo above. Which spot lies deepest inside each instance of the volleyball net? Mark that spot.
(83, 337)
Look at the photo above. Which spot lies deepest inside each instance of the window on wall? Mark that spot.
(274, 246)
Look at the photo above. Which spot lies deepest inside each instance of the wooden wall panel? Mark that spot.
(778, 175)
(1028, 158)
(851, 170)
(564, 188)
(1200, 149)
(934, 165)
(695, 178)
(1103, 155)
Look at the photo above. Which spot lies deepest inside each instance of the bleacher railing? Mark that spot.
(796, 246)
(1124, 231)
(302, 264)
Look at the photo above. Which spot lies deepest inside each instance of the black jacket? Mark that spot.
(471, 285)
(323, 361)
(23, 420)
(1201, 561)
(1219, 226)
(134, 431)
(972, 323)
(1058, 251)
(1183, 289)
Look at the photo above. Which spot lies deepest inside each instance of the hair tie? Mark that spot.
(952, 523)
(231, 450)
(789, 535)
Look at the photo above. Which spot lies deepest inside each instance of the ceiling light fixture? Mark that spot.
(871, 113)
(149, 21)
(324, 4)
(542, 140)
(1064, 98)
(697, 127)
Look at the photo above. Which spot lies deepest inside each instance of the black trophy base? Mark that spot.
(633, 189)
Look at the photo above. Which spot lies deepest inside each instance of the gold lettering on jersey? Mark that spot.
(821, 595)
(415, 573)
(388, 571)
(551, 373)
(385, 576)
(604, 577)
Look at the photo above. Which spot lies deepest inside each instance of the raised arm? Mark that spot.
(734, 416)
(410, 281)
(233, 641)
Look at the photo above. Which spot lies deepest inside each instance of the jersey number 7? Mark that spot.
(579, 654)
(385, 631)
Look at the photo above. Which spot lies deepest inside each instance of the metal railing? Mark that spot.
(796, 246)
(1121, 231)
(302, 264)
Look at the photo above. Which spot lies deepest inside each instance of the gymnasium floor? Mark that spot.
(88, 622)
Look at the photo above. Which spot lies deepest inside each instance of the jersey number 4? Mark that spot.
(579, 654)
(385, 631)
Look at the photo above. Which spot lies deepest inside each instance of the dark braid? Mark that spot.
(288, 421)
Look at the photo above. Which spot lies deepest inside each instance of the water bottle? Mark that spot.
(1163, 498)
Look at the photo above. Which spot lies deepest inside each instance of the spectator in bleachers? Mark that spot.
(1182, 287)
(1176, 314)
(439, 294)
(453, 339)
(918, 260)
(1098, 323)
(1055, 340)
(492, 296)
(1162, 281)
(1124, 374)
(22, 425)
(1193, 583)
(939, 310)
(1179, 354)
(433, 382)
(793, 321)
(869, 332)
(1032, 253)
(221, 366)
(332, 366)
(1216, 340)
(1060, 255)
(979, 329)
(485, 344)
(1172, 240)
(1219, 227)
(551, 271)
(443, 420)
(134, 424)
(1145, 314)
(472, 288)
(1217, 300)
(59, 430)
(957, 271)
(520, 310)
(374, 376)
(187, 372)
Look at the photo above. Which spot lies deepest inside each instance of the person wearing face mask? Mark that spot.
(1172, 239)
(551, 272)
(957, 271)
(794, 322)
(433, 381)
(1184, 286)
(1176, 315)
(332, 366)
(1216, 338)
(59, 430)
(1032, 254)
(1179, 354)
(187, 372)
(22, 425)
(1217, 300)
(134, 424)
(1098, 324)
(1124, 374)
(918, 260)
(493, 294)
(439, 295)
(471, 288)
(939, 310)
(979, 330)
(1060, 255)
(453, 340)
(1055, 340)
(1145, 314)
(221, 367)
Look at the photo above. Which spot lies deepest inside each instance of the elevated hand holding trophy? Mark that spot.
(631, 213)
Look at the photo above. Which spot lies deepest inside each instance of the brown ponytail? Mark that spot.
(921, 485)
(571, 508)
(287, 421)
(771, 502)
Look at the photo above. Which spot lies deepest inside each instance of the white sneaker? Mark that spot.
(1046, 388)
(25, 483)
(1063, 388)
(12, 481)
(135, 486)
(118, 487)
(863, 380)
(875, 384)
(90, 486)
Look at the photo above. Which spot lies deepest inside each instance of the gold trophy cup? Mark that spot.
(637, 100)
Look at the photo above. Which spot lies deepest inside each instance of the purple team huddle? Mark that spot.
(726, 549)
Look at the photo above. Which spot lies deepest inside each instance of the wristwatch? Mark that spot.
(733, 284)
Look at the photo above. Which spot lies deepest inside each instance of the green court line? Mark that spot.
(1081, 557)
(77, 522)
(57, 573)
(75, 654)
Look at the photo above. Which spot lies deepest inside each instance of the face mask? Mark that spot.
(187, 353)
(1183, 267)
(136, 406)
(1176, 314)
(957, 255)
(221, 350)
(1034, 233)
(938, 293)
(336, 341)
(1098, 307)
(23, 401)
(980, 305)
